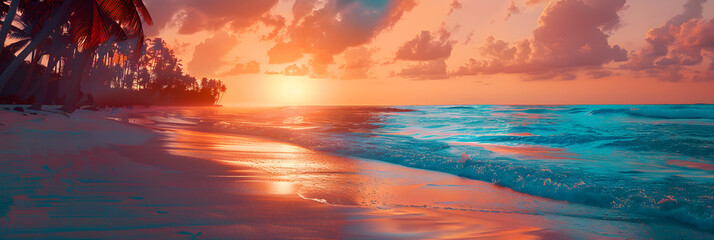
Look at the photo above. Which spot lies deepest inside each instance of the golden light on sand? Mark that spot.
(282, 188)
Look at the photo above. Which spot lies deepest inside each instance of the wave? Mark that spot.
(608, 111)
(684, 147)
(689, 202)
(679, 112)
(555, 140)
(672, 112)
(617, 157)
(460, 107)
(577, 110)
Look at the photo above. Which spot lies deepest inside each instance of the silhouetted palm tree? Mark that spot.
(10, 13)
(91, 23)
(102, 55)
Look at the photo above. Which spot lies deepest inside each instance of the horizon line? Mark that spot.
(463, 104)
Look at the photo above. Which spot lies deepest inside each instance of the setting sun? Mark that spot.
(290, 90)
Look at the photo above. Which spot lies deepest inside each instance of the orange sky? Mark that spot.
(409, 52)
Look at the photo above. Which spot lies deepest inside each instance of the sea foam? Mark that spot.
(616, 157)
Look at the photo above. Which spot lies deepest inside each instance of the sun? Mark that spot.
(291, 90)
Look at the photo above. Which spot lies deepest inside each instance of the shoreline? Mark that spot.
(129, 181)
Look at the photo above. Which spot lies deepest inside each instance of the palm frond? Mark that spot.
(14, 29)
(37, 12)
(139, 4)
(88, 28)
(17, 46)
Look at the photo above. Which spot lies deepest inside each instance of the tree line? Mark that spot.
(76, 52)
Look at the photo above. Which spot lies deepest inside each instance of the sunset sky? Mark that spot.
(409, 52)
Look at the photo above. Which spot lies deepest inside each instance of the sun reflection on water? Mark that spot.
(282, 188)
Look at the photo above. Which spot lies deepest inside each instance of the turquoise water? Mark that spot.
(654, 160)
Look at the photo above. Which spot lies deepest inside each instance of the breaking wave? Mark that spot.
(630, 158)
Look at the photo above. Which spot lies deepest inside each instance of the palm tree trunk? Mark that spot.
(73, 94)
(45, 82)
(29, 79)
(37, 83)
(54, 22)
(8, 22)
(65, 76)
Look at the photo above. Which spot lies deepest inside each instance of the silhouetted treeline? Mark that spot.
(76, 52)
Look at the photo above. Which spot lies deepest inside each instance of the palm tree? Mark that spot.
(90, 47)
(91, 23)
(57, 17)
(9, 17)
(42, 85)
(21, 36)
(59, 48)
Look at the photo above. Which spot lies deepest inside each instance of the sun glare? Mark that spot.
(291, 90)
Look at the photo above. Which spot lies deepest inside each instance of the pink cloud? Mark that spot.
(358, 62)
(302, 8)
(427, 46)
(296, 70)
(214, 14)
(292, 70)
(599, 73)
(251, 67)
(435, 69)
(208, 54)
(677, 47)
(534, 2)
(275, 21)
(180, 47)
(339, 25)
(586, 23)
(284, 52)
(512, 10)
(431, 50)
(209, 15)
(162, 11)
(455, 5)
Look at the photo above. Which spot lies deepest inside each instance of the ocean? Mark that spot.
(650, 160)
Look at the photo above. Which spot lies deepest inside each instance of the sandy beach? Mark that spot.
(356, 119)
(111, 175)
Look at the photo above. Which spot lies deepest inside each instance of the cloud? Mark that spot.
(692, 9)
(426, 47)
(302, 8)
(431, 51)
(455, 5)
(534, 2)
(358, 62)
(586, 23)
(292, 70)
(337, 26)
(209, 15)
(180, 47)
(275, 21)
(251, 67)
(208, 54)
(598, 74)
(469, 38)
(512, 10)
(677, 46)
(284, 52)
(296, 70)
(162, 11)
(435, 69)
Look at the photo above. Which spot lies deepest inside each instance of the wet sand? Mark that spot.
(92, 177)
